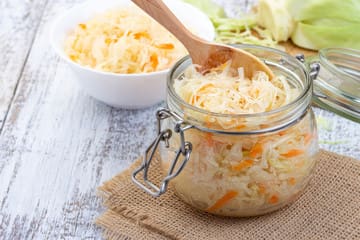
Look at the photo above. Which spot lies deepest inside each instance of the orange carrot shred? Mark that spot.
(167, 46)
(73, 57)
(195, 99)
(242, 165)
(205, 87)
(82, 26)
(222, 201)
(282, 133)
(209, 139)
(256, 150)
(273, 199)
(292, 181)
(240, 127)
(293, 153)
(202, 89)
(139, 35)
(154, 60)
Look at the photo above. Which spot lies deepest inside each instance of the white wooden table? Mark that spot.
(57, 145)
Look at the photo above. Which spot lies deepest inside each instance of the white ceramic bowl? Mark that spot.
(123, 90)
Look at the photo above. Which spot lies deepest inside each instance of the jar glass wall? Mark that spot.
(251, 170)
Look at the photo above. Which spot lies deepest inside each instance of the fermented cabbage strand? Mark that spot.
(123, 41)
(220, 92)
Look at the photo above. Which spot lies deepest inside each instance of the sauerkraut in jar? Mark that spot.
(253, 142)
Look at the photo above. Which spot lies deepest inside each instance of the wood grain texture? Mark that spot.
(19, 20)
(58, 145)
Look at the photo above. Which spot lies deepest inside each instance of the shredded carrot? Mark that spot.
(240, 127)
(119, 35)
(273, 199)
(72, 57)
(82, 26)
(154, 60)
(256, 150)
(262, 188)
(108, 40)
(139, 35)
(209, 139)
(282, 133)
(242, 165)
(167, 46)
(194, 99)
(293, 153)
(222, 201)
(203, 89)
(264, 126)
(291, 181)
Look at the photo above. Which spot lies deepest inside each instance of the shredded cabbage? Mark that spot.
(241, 175)
(243, 29)
(123, 41)
(234, 95)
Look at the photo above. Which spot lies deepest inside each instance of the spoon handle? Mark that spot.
(163, 15)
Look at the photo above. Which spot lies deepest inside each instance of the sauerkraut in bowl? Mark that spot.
(117, 54)
(254, 141)
(123, 40)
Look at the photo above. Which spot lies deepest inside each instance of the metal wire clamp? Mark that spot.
(176, 166)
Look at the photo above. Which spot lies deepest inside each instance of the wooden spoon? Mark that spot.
(205, 54)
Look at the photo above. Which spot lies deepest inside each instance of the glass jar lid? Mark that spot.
(337, 87)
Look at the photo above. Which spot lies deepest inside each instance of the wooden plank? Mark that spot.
(19, 20)
(57, 146)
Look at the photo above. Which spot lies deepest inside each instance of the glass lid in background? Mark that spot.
(337, 87)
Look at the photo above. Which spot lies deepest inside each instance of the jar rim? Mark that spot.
(303, 94)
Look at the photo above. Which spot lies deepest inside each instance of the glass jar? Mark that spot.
(337, 87)
(240, 171)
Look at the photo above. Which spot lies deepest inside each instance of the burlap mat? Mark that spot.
(328, 209)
